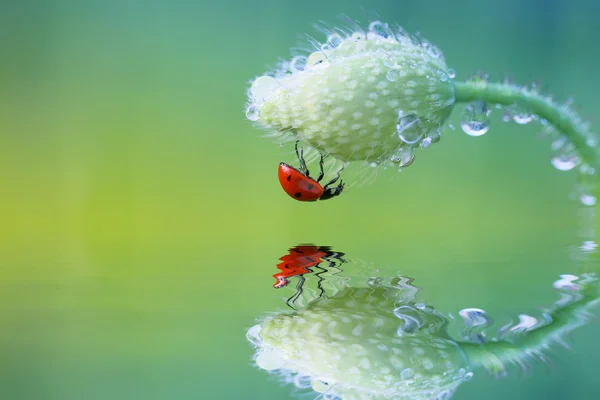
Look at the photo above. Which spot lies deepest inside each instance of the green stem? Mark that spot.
(565, 318)
(560, 116)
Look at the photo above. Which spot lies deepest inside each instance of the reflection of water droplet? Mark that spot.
(407, 373)
(476, 320)
(409, 128)
(476, 119)
(252, 112)
(526, 323)
(253, 335)
(269, 360)
(567, 282)
(411, 322)
(302, 381)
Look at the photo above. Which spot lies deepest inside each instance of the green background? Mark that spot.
(141, 217)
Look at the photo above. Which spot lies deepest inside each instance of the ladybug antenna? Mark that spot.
(300, 156)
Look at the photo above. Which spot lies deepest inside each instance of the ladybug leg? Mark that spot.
(290, 302)
(321, 172)
(334, 180)
(300, 156)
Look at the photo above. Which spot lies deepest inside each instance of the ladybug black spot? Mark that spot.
(297, 194)
(310, 186)
(289, 178)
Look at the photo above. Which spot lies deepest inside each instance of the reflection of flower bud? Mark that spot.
(360, 97)
(371, 342)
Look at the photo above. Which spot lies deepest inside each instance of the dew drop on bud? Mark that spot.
(262, 88)
(476, 118)
(392, 75)
(334, 40)
(380, 29)
(252, 112)
(298, 64)
(409, 128)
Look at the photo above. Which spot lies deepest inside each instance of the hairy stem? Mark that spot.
(563, 318)
(563, 119)
(560, 116)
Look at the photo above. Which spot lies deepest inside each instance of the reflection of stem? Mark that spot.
(566, 315)
(564, 120)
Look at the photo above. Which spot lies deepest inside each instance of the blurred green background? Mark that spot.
(141, 217)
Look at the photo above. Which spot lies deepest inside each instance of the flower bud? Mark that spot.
(361, 96)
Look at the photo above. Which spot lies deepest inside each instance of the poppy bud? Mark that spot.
(362, 96)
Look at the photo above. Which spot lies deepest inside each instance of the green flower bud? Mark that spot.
(370, 96)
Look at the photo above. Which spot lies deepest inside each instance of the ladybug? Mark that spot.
(298, 184)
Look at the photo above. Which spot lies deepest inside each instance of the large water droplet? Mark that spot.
(315, 59)
(252, 112)
(410, 129)
(476, 118)
(263, 88)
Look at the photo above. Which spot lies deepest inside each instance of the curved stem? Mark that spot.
(562, 319)
(560, 116)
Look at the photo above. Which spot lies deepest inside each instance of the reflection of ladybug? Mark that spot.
(299, 185)
(301, 260)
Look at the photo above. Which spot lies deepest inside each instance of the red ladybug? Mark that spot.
(300, 186)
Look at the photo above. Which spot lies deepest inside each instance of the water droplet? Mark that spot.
(263, 88)
(476, 119)
(252, 112)
(407, 373)
(302, 381)
(380, 29)
(506, 117)
(468, 376)
(390, 61)
(315, 59)
(334, 40)
(565, 161)
(298, 63)
(409, 128)
(522, 117)
(451, 73)
(392, 75)
(587, 199)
